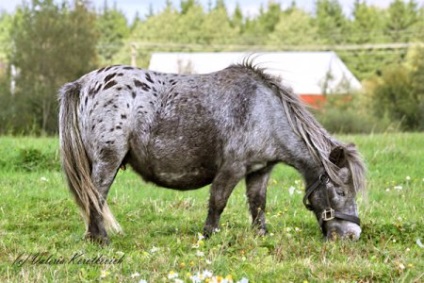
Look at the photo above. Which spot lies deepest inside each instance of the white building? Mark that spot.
(312, 75)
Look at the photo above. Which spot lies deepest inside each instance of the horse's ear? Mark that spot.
(338, 156)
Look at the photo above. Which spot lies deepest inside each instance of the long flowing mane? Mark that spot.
(318, 141)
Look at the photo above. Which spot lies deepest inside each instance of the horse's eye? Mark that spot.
(340, 193)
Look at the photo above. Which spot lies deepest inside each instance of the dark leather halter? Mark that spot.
(328, 213)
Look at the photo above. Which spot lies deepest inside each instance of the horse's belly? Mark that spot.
(183, 180)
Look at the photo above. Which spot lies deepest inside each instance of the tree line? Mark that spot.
(45, 44)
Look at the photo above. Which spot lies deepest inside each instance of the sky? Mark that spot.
(249, 7)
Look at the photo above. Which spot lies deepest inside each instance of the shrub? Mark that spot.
(349, 115)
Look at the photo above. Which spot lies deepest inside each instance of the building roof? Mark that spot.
(309, 73)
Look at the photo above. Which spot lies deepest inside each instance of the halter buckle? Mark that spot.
(327, 214)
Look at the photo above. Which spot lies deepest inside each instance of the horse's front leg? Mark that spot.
(221, 189)
(256, 185)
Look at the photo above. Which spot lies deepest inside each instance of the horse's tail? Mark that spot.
(75, 162)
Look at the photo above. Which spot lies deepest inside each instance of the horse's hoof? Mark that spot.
(97, 239)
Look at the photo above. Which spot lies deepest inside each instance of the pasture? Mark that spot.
(41, 230)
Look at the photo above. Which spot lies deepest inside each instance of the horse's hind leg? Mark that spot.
(256, 185)
(104, 170)
(222, 186)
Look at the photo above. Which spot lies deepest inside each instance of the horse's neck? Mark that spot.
(305, 162)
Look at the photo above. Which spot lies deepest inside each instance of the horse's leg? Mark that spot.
(104, 170)
(222, 186)
(256, 184)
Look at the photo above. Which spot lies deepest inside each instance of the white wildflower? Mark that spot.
(398, 188)
(243, 280)
(207, 274)
(154, 250)
(291, 190)
(200, 254)
(142, 281)
(172, 275)
(419, 243)
(44, 179)
(135, 275)
(408, 178)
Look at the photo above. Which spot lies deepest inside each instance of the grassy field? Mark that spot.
(41, 230)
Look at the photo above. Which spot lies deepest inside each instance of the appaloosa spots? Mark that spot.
(143, 86)
(110, 84)
(109, 77)
(149, 78)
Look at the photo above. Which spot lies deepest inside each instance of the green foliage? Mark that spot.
(52, 45)
(401, 19)
(295, 27)
(29, 155)
(161, 227)
(399, 95)
(331, 22)
(350, 114)
(6, 21)
(368, 24)
(113, 30)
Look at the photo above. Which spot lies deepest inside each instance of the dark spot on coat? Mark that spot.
(110, 67)
(129, 87)
(128, 105)
(109, 102)
(143, 86)
(120, 74)
(98, 89)
(111, 130)
(101, 70)
(123, 116)
(109, 77)
(133, 94)
(149, 78)
(119, 88)
(128, 68)
(93, 127)
(110, 84)
(118, 127)
(86, 100)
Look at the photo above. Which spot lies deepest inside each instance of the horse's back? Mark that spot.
(177, 130)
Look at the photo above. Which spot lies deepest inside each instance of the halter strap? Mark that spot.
(328, 213)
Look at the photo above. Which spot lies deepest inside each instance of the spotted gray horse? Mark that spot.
(187, 131)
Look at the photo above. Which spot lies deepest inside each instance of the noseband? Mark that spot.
(328, 213)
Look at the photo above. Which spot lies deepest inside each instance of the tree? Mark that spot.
(368, 24)
(401, 19)
(113, 29)
(257, 29)
(52, 44)
(6, 21)
(399, 93)
(331, 22)
(216, 27)
(295, 27)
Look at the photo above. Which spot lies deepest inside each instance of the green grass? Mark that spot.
(38, 217)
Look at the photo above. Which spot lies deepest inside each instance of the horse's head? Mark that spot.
(332, 198)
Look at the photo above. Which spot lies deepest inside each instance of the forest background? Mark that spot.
(44, 44)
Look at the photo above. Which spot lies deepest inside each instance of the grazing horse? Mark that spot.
(187, 131)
